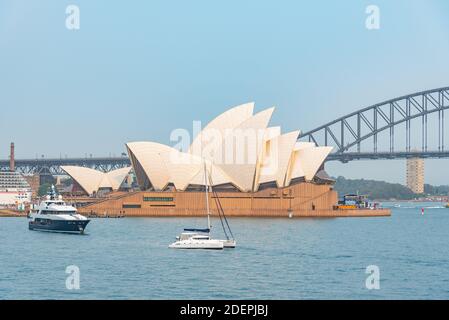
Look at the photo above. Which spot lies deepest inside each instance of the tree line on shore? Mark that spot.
(373, 189)
(381, 190)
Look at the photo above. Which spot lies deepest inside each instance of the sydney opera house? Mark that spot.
(254, 169)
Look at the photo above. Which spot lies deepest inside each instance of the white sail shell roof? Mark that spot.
(271, 133)
(276, 158)
(306, 162)
(217, 175)
(92, 180)
(163, 164)
(114, 179)
(152, 158)
(217, 127)
(295, 169)
(241, 152)
(304, 145)
(242, 147)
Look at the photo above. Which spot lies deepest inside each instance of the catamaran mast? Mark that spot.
(207, 196)
(221, 213)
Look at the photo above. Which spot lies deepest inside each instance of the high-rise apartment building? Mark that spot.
(415, 175)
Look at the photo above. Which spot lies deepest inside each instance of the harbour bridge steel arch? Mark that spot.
(348, 132)
(53, 166)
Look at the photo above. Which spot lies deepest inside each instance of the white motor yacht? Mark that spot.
(54, 215)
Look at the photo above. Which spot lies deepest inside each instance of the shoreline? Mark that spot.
(11, 214)
(283, 215)
(358, 213)
(409, 201)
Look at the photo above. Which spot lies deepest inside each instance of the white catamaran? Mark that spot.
(201, 238)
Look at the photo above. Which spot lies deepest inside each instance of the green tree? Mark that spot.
(44, 189)
(379, 190)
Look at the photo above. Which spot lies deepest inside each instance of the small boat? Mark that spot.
(447, 206)
(201, 238)
(54, 215)
(193, 240)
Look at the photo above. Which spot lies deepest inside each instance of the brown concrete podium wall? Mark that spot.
(299, 200)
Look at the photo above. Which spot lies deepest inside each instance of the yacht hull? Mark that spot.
(229, 244)
(198, 245)
(59, 226)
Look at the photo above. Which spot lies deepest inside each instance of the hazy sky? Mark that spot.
(136, 70)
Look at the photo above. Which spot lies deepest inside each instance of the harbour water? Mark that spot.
(275, 259)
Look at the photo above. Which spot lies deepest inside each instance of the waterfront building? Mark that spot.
(254, 169)
(241, 152)
(415, 175)
(15, 192)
